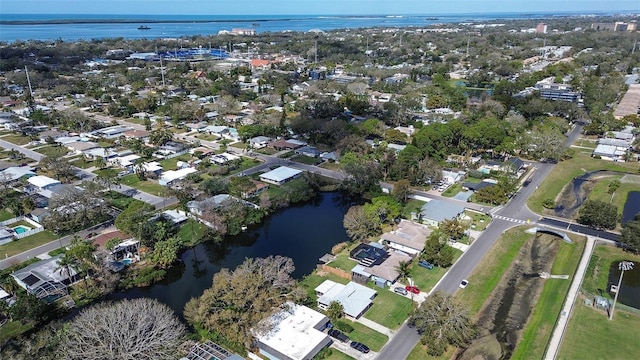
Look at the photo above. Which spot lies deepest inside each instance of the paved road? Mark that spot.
(45, 248)
(512, 214)
(26, 152)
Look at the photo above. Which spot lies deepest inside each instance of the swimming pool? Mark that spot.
(125, 262)
(21, 229)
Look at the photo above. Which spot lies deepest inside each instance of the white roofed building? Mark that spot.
(295, 333)
(172, 175)
(41, 182)
(280, 175)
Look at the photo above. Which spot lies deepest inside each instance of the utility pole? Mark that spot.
(316, 52)
(623, 266)
(28, 81)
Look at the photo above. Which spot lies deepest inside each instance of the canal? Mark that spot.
(302, 232)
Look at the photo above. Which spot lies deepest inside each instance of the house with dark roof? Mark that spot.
(46, 279)
(512, 165)
(309, 151)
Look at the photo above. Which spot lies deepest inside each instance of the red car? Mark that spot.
(413, 289)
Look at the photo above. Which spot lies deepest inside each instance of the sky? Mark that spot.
(310, 7)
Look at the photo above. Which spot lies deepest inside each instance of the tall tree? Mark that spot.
(598, 214)
(631, 234)
(360, 224)
(441, 321)
(239, 299)
(128, 329)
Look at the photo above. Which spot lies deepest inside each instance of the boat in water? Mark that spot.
(143, 27)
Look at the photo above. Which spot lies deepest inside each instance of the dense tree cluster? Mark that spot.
(238, 300)
(441, 321)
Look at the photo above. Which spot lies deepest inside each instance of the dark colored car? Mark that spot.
(360, 347)
(425, 264)
(412, 289)
(338, 335)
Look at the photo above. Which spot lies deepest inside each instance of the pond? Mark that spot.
(631, 207)
(303, 233)
(630, 288)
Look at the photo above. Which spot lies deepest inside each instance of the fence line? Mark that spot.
(30, 232)
(11, 221)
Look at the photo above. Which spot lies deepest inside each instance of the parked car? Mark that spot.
(464, 283)
(425, 264)
(412, 289)
(400, 290)
(338, 335)
(360, 347)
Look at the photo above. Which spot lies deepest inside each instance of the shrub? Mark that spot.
(548, 204)
(343, 326)
(337, 248)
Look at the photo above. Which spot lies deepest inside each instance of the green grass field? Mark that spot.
(590, 335)
(539, 327)
(452, 190)
(373, 339)
(27, 243)
(52, 150)
(342, 260)
(310, 282)
(146, 186)
(16, 139)
(12, 329)
(172, 164)
(566, 170)
(389, 309)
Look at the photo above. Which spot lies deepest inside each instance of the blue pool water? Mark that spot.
(21, 229)
(125, 262)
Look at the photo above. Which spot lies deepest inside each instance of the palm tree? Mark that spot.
(404, 269)
(335, 311)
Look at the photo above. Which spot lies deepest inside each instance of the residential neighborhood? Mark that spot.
(360, 193)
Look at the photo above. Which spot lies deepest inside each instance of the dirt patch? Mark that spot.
(507, 311)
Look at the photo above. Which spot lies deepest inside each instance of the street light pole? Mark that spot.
(623, 266)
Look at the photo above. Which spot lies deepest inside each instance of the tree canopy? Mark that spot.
(599, 214)
(128, 330)
(239, 299)
(630, 235)
(441, 321)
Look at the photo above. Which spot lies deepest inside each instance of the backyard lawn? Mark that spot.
(342, 260)
(27, 243)
(12, 329)
(310, 282)
(565, 171)
(147, 186)
(6, 215)
(120, 201)
(389, 309)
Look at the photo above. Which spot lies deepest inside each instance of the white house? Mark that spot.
(354, 298)
(295, 333)
(172, 175)
(41, 183)
(280, 175)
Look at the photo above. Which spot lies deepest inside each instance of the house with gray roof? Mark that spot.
(436, 211)
(408, 238)
(354, 298)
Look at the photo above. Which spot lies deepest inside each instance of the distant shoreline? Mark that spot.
(137, 21)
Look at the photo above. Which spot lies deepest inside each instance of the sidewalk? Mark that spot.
(375, 326)
(561, 325)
